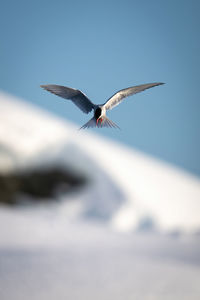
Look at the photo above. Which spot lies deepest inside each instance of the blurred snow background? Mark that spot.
(130, 232)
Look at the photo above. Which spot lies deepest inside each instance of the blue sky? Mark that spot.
(100, 47)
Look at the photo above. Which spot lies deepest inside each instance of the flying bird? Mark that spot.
(85, 104)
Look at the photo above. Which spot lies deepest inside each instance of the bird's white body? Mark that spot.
(82, 101)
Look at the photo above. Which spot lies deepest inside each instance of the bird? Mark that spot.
(99, 118)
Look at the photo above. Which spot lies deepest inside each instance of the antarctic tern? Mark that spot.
(85, 104)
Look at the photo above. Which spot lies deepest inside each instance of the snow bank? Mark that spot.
(128, 189)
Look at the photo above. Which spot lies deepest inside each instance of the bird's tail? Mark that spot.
(90, 123)
(103, 122)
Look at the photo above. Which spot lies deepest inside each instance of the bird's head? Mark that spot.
(98, 114)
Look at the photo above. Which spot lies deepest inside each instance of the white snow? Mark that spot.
(145, 187)
(130, 234)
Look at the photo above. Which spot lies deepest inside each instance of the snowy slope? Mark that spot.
(66, 250)
(129, 188)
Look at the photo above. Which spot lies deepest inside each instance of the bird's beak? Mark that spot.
(99, 119)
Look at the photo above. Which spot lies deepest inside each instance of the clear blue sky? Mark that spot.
(101, 47)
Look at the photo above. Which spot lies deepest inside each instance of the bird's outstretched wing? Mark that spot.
(74, 95)
(120, 95)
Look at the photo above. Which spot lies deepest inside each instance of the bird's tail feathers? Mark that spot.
(103, 122)
(90, 123)
(107, 123)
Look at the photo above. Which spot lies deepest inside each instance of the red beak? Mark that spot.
(99, 119)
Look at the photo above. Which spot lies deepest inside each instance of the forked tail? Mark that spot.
(90, 123)
(103, 122)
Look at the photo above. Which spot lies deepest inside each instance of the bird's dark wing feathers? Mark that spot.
(74, 95)
(120, 95)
